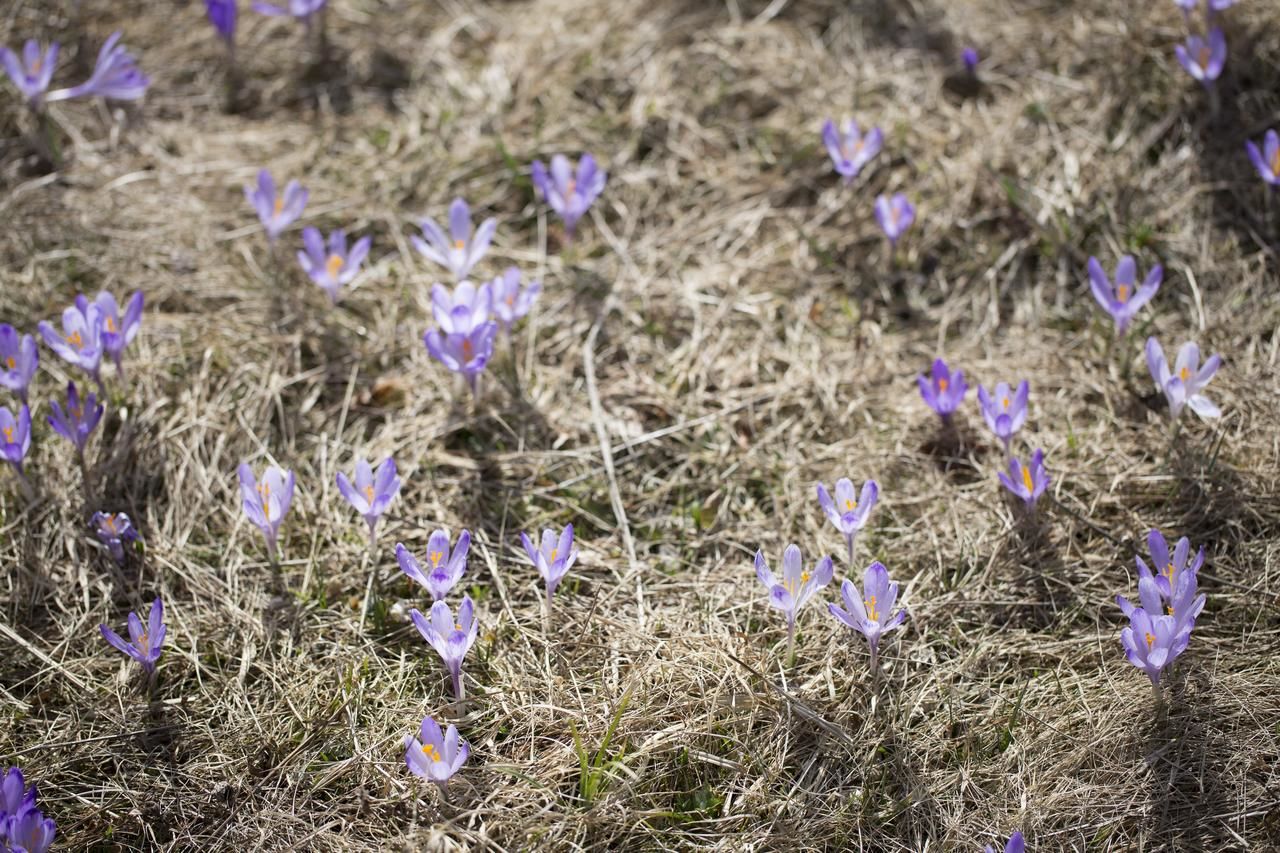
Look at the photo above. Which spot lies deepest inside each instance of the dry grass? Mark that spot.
(748, 339)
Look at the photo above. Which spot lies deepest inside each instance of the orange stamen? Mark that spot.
(1150, 640)
(871, 609)
(430, 752)
(10, 362)
(279, 204)
(1026, 479)
(1184, 374)
(1122, 292)
(942, 384)
(436, 557)
(334, 265)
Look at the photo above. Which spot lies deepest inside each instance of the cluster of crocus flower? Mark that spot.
(144, 641)
(451, 637)
(469, 318)
(1160, 627)
(115, 74)
(23, 827)
(1203, 56)
(94, 330)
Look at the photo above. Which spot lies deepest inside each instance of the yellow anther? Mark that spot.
(8, 434)
(279, 204)
(1184, 374)
(264, 490)
(850, 504)
(1275, 162)
(430, 752)
(804, 577)
(333, 266)
(511, 301)
(1205, 55)
(871, 609)
(1150, 640)
(75, 340)
(1122, 292)
(436, 557)
(942, 384)
(571, 188)
(111, 324)
(1005, 402)
(368, 493)
(1168, 570)
(467, 349)
(553, 554)
(457, 626)
(142, 640)
(110, 519)
(10, 362)
(1026, 478)
(459, 244)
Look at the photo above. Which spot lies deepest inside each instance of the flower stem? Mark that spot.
(791, 642)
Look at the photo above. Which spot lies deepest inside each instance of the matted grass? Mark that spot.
(730, 327)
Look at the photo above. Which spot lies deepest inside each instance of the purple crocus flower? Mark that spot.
(1203, 58)
(944, 391)
(1004, 410)
(850, 150)
(76, 423)
(266, 503)
(81, 340)
(451, 638)
(1183, 386)
(333, 268)
(114, 530)
(15, 798)
(144, 645)
(438, 755)
(300, 9)
(969, 57)
(1123, 300)
(1267, 159)
(447, 566)
(276, 212)
(118, 331)
(1014, 845)
(866, 612)
(463, 353)
(29, 831)
(554, 559)
(15, 436)
(795, 587)
(1026, 481)
(511, 300)
(1168, 568)
(18, 360)
(115, 76)
(371, 493)
(895, 216)
(461, 249)
(566, 193)
(849, 512)
(464, 310)
(222, 14)
(33, 71)
(1153, 640)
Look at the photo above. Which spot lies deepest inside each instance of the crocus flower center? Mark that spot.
(279, 207)
(553, 554)
(368, 493)
(459, 245)
(942, 384)
(76, 412)
(1122, 292)
(1168, 570)
(111, 522)
(111, 324)
(1205, 53)
(1004, 403)
(850, 504)
(75, 340)
(264, 490)
(10, 362)
(8, 434)
(143, 642)
(36, 66)
(571, 188)
(1275, 162)
(333, 265)
(511, 301)
(1026, 479)
(430, 752)
(852, 151)
(467, 349)
(871, 609)
(457, 626)
(436, 557)
(1150, 640)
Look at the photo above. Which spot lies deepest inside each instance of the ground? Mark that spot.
(728, 330)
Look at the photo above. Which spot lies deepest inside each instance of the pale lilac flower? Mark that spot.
(29, 831)
(849, 149)
(335, 267)
(463, 353)
(464, 310)
(438, 755)
(266, 503)
(371, 493)
(1203, 58)
(276, 212)
(1014, 845)
(18, 360)
(567, 193)
(451, 638)
(15, 797)
(796, 586)
(868, 612)
(460, 250)
(446, 567)
(118, 331)
(1266, 160)
(969, 57)
(1168, 568)
(76, 422)
(1123, 299)
(1027, 481)
(15, 436)
(554, 558)
(1184, 384)
(944, 390)
(145, 642)
(114, 530)
(850, 510)
(222, 14)
(32, 72)
(1005, 410)
(510, 300)
(300, 9)
(115, 75)
(895, 216)
(80, 342)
